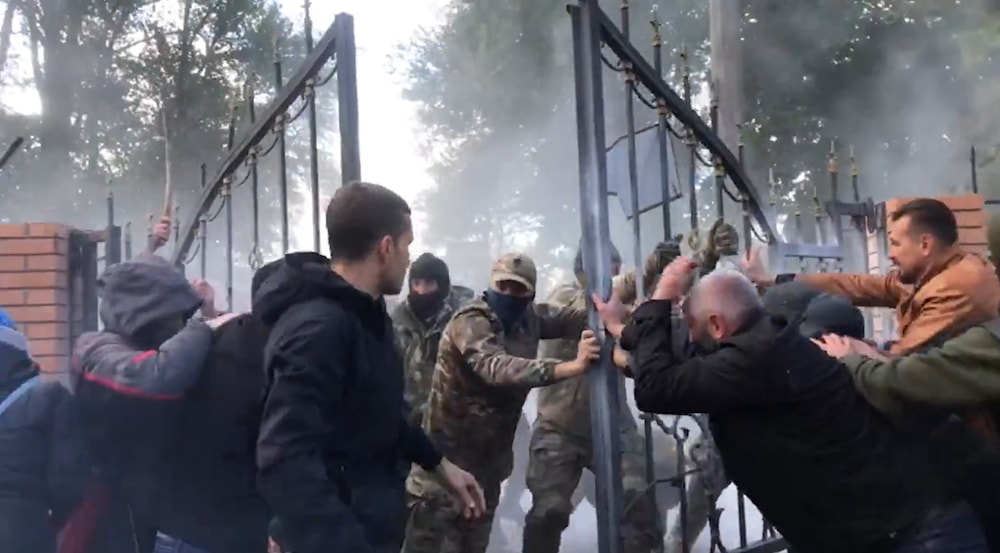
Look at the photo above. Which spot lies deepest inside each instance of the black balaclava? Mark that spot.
(429, 267)
(581, 275)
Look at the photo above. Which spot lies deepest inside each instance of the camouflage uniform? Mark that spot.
(417, 341)
(561, 448)
(482, 376)
(509, 508)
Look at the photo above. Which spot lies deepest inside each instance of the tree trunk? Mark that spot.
(6, 28)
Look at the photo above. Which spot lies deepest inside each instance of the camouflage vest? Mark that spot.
(417, 342)
(565, 406)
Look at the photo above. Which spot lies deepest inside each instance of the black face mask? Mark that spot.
(509, 309)
(425, 306)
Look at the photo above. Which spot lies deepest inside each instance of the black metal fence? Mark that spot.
(601, 47)
(265, 135)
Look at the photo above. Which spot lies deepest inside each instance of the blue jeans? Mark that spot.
(167, 544)
(956, 530)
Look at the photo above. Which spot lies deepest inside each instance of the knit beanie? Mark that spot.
(9, 334)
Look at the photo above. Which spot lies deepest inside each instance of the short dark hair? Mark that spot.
(359, 215)
(931, 216)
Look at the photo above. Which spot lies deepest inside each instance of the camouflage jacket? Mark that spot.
(417, 342)
(481, 380)
(565, 406)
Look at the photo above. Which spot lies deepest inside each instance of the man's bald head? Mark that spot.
(719, 305)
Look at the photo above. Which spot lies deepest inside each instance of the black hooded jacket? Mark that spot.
(333, 427)
(828, 470)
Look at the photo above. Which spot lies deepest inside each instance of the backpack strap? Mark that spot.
(18, 392)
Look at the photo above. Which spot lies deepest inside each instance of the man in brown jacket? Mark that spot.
(938, 290)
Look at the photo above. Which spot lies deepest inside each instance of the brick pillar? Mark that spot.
(970, 214)
(882, 320)
(34, 288)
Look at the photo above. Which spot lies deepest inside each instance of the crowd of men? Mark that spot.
(320, 422)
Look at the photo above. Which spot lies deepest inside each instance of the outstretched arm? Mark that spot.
(165, 373)
(472, 334)
(962, 373)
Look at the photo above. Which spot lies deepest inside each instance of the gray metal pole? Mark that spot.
(602, 377)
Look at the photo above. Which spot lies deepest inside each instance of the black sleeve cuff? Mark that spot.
(419, 448)
(784, 277)
(629, 337)
(653, 309)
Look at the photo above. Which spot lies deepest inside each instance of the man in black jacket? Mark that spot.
(333, 427)
(822, 465)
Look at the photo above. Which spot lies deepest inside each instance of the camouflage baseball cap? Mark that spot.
(515, 267)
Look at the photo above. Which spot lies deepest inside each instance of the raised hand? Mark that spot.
(675, 279)
(161, 233)
(753, 268)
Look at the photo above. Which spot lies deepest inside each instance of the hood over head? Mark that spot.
(141, 291)
(829, 314)
(306, 276)
(789, 300)
(262, 275)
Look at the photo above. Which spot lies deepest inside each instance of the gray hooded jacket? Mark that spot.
(134, 295)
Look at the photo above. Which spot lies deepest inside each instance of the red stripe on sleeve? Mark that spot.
(128, 390)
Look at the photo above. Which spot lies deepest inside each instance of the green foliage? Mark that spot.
(494, 88)
(495, 95)
(107, 71)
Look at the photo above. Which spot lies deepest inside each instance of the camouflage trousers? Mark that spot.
(509, 507)
(436, 526)
(703, 488)
(554, 469)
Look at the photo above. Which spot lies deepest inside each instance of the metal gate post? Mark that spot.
(602, 377)
(347, 96)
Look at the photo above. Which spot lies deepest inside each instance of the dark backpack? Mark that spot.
(210, 496)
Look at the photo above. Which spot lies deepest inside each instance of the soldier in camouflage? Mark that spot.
(418, 322)
(485, 367)
(561, 445)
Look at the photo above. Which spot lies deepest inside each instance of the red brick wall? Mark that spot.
(34, 288)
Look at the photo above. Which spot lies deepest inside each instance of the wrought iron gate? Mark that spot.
(594, 36)
(336, 44)
(244, 154)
